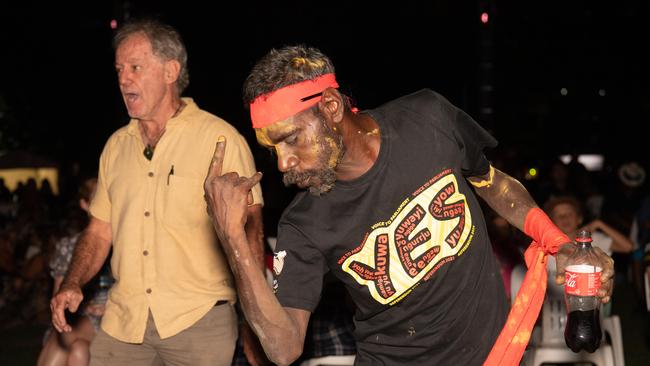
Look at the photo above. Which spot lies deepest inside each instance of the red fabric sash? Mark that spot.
(514, 337)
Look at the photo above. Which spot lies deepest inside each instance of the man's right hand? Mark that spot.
(227, 195)
(69, 297)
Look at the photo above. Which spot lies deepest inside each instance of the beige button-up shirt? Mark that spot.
(166, 256)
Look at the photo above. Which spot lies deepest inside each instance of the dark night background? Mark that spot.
(59, 95)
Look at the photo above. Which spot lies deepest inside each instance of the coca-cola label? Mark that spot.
(582, 280)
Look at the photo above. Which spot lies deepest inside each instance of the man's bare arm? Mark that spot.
(255, 234)
(510, 199)
(89, 255)
(505, 195)
(281, 331)
(251, 345)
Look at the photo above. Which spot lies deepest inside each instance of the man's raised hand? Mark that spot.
(227, 195)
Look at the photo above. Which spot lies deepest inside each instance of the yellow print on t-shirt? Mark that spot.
(431, 230)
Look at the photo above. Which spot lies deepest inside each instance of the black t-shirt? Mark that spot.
(407, 239)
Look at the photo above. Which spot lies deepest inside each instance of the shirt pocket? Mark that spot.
(184, 204)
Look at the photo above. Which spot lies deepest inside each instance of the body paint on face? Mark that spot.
(316, 148)
(336, 154)
(263, 138)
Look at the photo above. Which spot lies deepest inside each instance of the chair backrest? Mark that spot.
(553, 320)
(516, 279)
(554, 314)
(347, 360)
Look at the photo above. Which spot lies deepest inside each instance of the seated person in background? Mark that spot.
(73, 348)
(566, 212)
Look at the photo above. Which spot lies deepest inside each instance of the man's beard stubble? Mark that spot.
(323, 174)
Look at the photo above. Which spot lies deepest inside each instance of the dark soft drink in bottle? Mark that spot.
(582, 281)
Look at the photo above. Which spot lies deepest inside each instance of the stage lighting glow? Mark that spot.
(592, 162)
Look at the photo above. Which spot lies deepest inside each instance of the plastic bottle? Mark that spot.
(582, 281)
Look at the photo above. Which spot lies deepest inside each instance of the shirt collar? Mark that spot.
(190, 107)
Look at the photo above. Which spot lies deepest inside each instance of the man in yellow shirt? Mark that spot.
(173, 296)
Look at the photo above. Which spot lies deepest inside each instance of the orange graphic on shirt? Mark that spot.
(429, 229)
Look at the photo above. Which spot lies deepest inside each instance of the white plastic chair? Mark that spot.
(347, 360)
(545, 355)
(552, 348)
(612, 327)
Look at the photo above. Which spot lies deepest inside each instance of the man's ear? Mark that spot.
(172, 70)
(85, 205)
(331, 105)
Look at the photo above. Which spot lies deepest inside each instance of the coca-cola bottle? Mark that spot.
(582, 281)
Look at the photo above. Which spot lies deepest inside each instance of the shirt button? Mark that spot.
(148, 290)
(146, 213)
(146, 252)
(150, 174)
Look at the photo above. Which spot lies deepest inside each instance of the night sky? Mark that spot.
(59, 95)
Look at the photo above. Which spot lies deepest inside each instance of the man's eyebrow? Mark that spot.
(281, 135)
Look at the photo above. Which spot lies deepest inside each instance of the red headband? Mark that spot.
(285, 102)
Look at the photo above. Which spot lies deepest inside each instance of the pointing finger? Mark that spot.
(217, 158)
